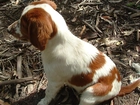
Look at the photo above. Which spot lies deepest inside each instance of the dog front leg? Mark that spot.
(50, 93)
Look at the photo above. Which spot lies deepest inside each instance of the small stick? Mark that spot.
(92, 28)
(138, 101)
(19, 66)
(138, 35)
(114, 1)
(9, 16)
(131, 9)
(17, 81)
(99, 3)
(65, 2)
(135, 15)
(17, 2)
(137, 2)
(117, 61)
(135, 24)
(97, 23)
(82, 31)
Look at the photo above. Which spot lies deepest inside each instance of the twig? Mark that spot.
(117, 61)
(25, 63)
(9, 16)
(98, 3)
(11, 57)
(65, 2)
(4, 51)
(138, 101)
(105, 18)
(2, 28)
(17, 81)
(2, 9)
(138, 35)
(42, 82)
(19, 64)
(114, 29)
(97, 23)
(86, 2)
(114, 1)
(135, 24)
(137, 2)
(82, 31)
(17, 2)
(131, 9)
(92, 28)
(135, 15)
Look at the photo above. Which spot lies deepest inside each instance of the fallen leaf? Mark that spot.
(128, 32)
(136, 66)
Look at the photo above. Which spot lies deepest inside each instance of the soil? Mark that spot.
(113, 26)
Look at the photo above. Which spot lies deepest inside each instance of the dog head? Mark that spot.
(35, 24)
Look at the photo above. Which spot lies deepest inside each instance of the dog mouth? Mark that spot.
(12, 32)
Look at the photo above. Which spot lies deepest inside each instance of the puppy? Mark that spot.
(67, 59)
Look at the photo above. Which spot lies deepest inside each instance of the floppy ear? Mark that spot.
(41, 28)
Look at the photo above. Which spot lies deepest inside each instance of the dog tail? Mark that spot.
(127, 89)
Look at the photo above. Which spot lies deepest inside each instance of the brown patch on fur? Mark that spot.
(104, 85)
(116, 72)
(51, 3)
(98, 62)
(38, 27)
(101, 89)
(84, 79)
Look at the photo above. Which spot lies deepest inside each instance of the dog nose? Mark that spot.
(8, 30)
(12, 27)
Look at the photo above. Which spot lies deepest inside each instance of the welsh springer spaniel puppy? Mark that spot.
(67, 59)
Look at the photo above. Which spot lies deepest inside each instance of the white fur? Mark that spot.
(65, 56)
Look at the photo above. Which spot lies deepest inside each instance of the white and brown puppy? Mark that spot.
(66, 58)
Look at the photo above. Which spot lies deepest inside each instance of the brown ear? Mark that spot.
(41, 28)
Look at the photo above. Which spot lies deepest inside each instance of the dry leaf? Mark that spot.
(128, 32)
(136, 66)
(109, 42)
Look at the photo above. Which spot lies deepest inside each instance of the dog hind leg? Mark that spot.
(97, 93)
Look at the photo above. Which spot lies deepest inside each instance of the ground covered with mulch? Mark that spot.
(113, 26)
